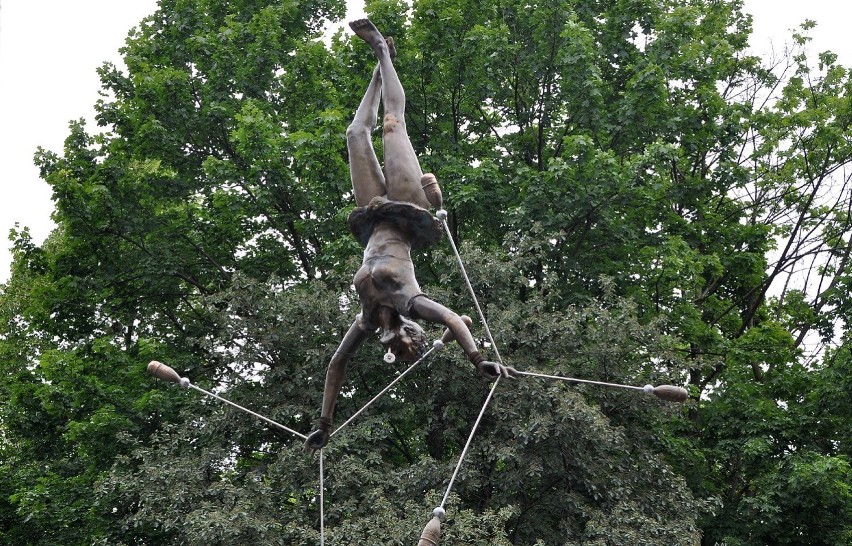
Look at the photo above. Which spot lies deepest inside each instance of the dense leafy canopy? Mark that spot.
(638, 200)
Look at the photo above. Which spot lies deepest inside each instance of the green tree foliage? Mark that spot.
(637, 200)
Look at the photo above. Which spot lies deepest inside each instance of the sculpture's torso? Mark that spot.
(386, 277)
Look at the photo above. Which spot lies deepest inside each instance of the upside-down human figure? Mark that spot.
(392, 218)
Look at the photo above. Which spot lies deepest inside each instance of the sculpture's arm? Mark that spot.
(432, 311)
(357, 333)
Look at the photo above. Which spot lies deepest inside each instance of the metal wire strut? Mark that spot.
(441, 510)
(322, 498)
(443, 504)
(386, 389)
(669, 393)
(166, 373)
(442, 216)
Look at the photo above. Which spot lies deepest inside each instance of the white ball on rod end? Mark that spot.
(648, 389)
(438, 344)
(441, 214)
(439, 512)
(184, 382)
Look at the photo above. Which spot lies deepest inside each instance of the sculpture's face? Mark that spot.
(407, 340)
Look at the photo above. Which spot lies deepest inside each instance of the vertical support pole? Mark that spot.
(322, 498)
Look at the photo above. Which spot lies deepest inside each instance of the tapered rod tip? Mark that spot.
(670, 393)
(432, 190)
(431, 535)
(160, 370)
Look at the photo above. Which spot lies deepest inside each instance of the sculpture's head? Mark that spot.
(406, 339)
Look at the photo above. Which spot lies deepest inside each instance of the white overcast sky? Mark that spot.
(49, 50)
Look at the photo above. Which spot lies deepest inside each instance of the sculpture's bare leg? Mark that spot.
(364, 169)
(402, 169)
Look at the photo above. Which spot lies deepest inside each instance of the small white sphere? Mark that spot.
(441, 214)
(438, 344)
(389, 357)
(439, 512)
(649, 389)
(184, 382)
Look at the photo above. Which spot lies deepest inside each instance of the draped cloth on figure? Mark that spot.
(417, 223)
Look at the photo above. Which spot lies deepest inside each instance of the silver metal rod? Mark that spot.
(239, 407)
(322, 499)
(472, 293)
(467, 444)
(383, 391)
(575, 380)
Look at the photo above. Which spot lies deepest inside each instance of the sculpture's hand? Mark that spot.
(493, 370)
(318, 439)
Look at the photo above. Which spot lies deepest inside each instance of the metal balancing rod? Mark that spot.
(160, 370)
(669, 393)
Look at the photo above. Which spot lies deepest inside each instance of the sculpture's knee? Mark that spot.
(390, 123)
(358, 130)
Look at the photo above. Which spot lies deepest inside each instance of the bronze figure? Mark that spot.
(392, 218)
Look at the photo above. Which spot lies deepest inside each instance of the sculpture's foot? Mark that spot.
(432, 190)
(367, 31)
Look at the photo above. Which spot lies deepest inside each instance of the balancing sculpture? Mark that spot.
(392, 218)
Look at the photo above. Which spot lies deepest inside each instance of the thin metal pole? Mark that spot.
(239, 407)
(574, 380)
(467, 444)
(322, 498)
(472, 293)
(383, 391)
(496, 353)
